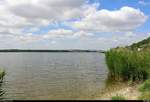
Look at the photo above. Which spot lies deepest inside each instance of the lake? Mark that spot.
(45, 76)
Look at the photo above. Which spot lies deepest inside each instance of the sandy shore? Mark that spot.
(130, 92)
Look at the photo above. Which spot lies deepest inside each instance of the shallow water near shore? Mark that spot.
(45, 76)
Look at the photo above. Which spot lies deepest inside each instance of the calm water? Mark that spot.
(52, 75)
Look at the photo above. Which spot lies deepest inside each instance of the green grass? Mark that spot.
(145, 90)
(118, 97)
(145, 96)
(144, 44)
(125, 64)
(145, 86)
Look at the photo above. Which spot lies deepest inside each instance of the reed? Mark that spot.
(125, 64)
(2, 74)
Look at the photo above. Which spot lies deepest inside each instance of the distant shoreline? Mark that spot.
(20, 50)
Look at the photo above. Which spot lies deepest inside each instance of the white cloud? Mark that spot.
(82, 34)
(23, 13)
(142, 2)
(58, 33)
(20, 16)
(130, 34)
(124, 19)
(63, 33)
(46, 9)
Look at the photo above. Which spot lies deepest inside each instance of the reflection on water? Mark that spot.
(1, 91)
(52, 75)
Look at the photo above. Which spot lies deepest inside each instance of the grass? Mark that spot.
(145, 90)
(145, 86)
(145, 96)
(118, 97)
(128, 65)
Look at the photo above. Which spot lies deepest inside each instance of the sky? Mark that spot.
(73, 24)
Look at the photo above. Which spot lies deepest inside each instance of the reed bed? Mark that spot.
(130, 65)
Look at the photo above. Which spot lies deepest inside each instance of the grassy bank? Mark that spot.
(130, 65)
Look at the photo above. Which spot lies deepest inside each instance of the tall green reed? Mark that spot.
(125, 64)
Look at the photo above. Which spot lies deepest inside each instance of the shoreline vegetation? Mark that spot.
(129, 71)
(130, 65)
(39, 50)
(2, 74)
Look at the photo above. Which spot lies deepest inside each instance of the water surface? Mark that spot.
(48, 76)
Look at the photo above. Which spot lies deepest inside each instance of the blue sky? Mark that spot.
(73, 24)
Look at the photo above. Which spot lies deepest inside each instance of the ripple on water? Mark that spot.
(52, 75)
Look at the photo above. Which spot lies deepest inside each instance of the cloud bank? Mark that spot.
(21, 21)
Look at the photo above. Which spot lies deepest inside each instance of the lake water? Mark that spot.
(45, 76)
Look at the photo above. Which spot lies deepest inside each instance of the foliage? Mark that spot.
(118, 97)
(126, 64)
(144, 44)
(145, 89)
(131, 63)
(145, 96)
(145, 86)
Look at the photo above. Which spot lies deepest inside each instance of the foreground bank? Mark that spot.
(131, 65)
